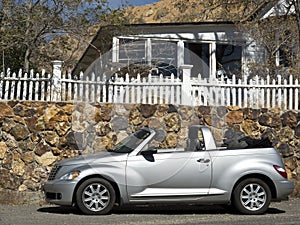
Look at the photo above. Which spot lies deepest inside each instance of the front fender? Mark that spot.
(114, 173)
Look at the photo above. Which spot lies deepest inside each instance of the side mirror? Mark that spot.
(149, 151)
(148, 154)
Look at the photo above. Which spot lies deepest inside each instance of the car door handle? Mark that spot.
(203, 160)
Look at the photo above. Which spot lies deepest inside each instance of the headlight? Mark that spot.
(70, 176)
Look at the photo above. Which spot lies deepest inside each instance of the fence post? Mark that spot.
(186, 86)
(56, 80)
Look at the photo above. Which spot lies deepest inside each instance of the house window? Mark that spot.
(132, 51)
(164, 52)
(284, 56)
(211, 59)
(146, 51)
(228, 59)
(197, 54)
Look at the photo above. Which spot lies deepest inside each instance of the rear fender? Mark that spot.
(226, 177)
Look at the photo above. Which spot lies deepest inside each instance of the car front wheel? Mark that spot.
(252, 196)
(95, 196)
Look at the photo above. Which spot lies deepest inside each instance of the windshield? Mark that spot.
(128, 144)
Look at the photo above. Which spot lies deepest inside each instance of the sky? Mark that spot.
(116, 3)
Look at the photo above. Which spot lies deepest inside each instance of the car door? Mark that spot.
(166, 176)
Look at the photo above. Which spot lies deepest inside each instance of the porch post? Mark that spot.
(180, 53)
(186, 86)
(115, 49)
(213, 61)
(149, 52)
(56, 80)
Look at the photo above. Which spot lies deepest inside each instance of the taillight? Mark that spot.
(280, 170)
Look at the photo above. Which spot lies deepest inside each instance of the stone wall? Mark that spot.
(34, 135)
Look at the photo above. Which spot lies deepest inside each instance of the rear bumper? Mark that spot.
(59, 192)
(284, 188)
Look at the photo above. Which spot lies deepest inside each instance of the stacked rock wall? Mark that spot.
(35, 135)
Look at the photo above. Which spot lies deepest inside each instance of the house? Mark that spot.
(208, 46)
(213, 48)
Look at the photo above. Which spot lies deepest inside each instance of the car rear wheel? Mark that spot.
(95, 196)
(252, 196)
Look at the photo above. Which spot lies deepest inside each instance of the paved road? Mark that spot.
(285, 213)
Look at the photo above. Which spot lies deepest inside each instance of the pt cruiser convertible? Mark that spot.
(134, 172)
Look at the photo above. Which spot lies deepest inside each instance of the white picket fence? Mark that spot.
(249, 93)
(25, 86)
(253, 93)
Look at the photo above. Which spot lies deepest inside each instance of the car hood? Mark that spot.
(101, 157)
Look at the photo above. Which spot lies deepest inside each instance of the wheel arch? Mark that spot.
(262, 177)
(113, 183)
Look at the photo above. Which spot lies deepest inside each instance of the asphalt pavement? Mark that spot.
(285, 213)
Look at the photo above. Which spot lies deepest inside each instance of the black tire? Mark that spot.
(251, 196)
(95, 196)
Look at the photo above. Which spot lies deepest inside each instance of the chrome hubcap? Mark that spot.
(95, 197)
(253, 197)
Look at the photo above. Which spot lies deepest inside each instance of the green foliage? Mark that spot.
(12, 59)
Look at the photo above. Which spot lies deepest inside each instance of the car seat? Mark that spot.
(193, 142)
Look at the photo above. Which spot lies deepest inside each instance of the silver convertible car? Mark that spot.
(135, 172)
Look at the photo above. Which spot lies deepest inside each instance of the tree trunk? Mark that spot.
(297, 11)
(27, 60)
(27, 39)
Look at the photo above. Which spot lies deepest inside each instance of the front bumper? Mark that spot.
(284, 188)
(59, 192)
